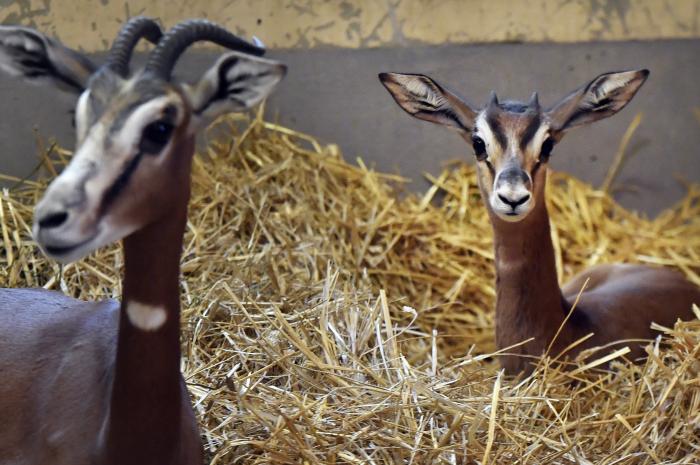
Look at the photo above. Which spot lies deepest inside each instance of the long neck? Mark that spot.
(144, 418)
(529, 302)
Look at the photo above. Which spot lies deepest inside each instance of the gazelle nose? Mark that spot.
(53, 219)
(514, 203)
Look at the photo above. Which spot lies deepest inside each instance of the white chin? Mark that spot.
(106, 236)
(68, 255)
(511, 217)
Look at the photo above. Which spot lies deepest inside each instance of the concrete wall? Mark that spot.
(332, 90)
(92, 24)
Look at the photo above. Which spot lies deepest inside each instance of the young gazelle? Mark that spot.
(513, 142)
(99, 382)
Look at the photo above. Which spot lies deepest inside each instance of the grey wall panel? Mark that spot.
(334, 94)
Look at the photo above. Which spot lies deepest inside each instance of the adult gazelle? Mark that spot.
(100, 382)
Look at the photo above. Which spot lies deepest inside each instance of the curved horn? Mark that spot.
(534, 102)
(129, 35)
(176, 40)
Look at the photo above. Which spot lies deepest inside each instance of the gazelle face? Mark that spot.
(131, 167)
(513, 141)
(135, 135)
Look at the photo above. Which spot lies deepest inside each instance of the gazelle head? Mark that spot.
(513, 141)
(135, 132)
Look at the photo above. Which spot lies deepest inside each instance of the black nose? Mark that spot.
(514, 203)
(53, 220)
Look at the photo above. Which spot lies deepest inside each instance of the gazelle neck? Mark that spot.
(529, 302)
(145, 406)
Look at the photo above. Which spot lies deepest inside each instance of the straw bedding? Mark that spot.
(329, 320)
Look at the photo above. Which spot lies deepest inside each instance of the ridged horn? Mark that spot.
(123, 46)
(163, 58)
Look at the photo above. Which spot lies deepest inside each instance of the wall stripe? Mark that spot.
(91, 25)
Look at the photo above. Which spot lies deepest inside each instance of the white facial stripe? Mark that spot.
(130, 134)
(538, 139)
(81, 114)
(146, 317)
(483, 130)
(83, 164)
(92, 153)
(92, 171)
(123, 146)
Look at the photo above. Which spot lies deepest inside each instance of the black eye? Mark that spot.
(479, 148)
(546, 149)
(155, 136)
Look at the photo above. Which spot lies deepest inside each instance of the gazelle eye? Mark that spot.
(546, 149)
(155, 136)
(479, 148)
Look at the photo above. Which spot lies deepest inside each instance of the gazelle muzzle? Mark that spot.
(511, 198)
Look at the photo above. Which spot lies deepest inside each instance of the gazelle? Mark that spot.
(512, 142)
(99, 382)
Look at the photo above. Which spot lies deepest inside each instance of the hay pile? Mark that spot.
(327, 322)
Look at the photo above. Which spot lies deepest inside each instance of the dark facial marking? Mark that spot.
(123, 115)
(530, 130)
(492, 170)
(495, 125)
(513, 176)
(169, 114)
(121, 182)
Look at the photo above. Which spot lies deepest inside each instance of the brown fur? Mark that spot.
(98, 372)
(82, 382)
(620, 301)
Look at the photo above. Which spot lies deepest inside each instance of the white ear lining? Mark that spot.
(422, 90)
(246, 81)
(27, 53)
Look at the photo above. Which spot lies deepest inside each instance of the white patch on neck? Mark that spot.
(146, 317)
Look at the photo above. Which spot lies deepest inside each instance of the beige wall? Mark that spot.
(91, 24)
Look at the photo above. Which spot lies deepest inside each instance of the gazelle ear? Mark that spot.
(236, 82)
(602, 97)
(425, 99)
(28, 54)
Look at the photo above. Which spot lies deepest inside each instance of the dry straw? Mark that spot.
(327, 320)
